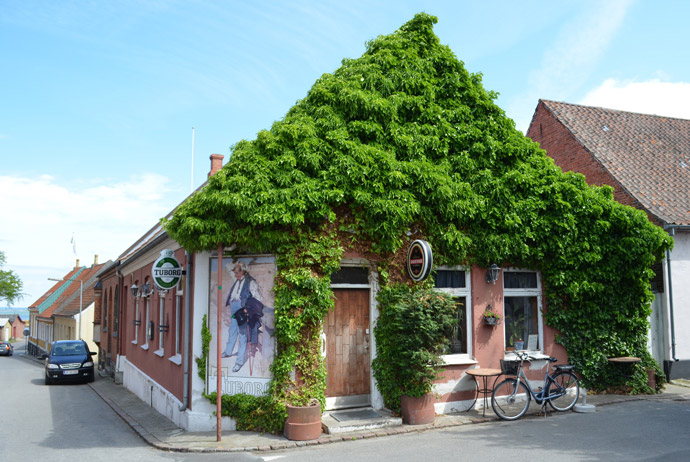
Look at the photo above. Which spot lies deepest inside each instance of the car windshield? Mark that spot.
(69, 349)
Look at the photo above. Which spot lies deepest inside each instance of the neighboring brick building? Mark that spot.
(18, 326)
(66, 311)
(646, 159)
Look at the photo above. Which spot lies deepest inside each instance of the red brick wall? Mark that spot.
(570, 155)
(166, 373)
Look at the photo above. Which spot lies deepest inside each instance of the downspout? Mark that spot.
(120, 310)
(185, 356)
(672, 232)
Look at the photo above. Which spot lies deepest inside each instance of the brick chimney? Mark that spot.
(216, 163)
(95, 259)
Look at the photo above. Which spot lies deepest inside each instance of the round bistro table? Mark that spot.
(626, 365)
(484, 375)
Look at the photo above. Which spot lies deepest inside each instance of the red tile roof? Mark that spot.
(648, 154)
(67, 304)
(54, 289)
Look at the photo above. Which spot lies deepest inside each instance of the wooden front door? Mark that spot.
(347, 349)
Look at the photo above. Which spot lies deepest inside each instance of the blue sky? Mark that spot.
(98, 99)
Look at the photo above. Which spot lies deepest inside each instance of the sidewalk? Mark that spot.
(162, 434)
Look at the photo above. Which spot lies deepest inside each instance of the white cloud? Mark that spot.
(568, 62)
(670, 99)
(40, 215)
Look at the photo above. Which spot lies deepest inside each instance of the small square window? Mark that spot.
(519, 280)
(449, 279)
(350, 275)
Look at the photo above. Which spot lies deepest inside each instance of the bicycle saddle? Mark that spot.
(564, 367)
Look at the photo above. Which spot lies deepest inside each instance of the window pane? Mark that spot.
(458, 336)
(350, 275)
(449, 279)
(521, 319)
(519, 280)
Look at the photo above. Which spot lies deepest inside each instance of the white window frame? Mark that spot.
(178, 312)
(145, 346)
(461, 358)
(161, 314)
(136, 318)
(529, 292)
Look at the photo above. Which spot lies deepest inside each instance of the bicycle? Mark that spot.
(511, 398)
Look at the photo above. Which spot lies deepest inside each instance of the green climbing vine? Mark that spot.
(206, 337)
(404, 142)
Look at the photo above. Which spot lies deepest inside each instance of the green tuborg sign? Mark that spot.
(167, 271)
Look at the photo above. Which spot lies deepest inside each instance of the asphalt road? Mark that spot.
(647, 430)
(70, 422)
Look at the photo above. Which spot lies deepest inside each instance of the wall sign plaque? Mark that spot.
(420, 259)
(167, 271)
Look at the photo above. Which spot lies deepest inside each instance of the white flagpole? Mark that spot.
(191, 184)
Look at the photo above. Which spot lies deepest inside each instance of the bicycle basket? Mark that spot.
(509, 367)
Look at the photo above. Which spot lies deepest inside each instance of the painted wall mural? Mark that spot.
(247, 342)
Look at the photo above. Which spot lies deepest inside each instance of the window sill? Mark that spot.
(457, 359)
(160, 353)
(134, 342)
(145, 346)
(177, 359)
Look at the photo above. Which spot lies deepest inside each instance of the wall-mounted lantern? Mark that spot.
(146, 289)
(492, 274)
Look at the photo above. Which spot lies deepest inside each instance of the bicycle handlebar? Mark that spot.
(525, 356)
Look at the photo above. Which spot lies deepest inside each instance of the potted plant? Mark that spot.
(303, 422)
(515, 326)
(411, 335)
(491, 317)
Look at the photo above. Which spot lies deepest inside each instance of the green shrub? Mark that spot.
(253, 413)
(411, 334)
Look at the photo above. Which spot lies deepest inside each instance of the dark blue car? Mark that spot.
(69, 361)
(6, 349)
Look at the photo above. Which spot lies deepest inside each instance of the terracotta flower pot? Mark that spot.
(417, 411)
(303, 423)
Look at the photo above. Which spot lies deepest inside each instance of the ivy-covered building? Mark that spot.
(296, 250)
(644, 158)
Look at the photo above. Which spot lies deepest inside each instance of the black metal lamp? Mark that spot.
(135, 290)
(492, 274)
(146, 289)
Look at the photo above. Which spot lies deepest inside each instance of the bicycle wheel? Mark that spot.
(510, 399)
(566, 383)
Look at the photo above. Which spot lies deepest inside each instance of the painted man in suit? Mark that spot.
(244, 289)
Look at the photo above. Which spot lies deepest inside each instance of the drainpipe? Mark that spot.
(672, 232)
(185, 356)
(120, 327)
